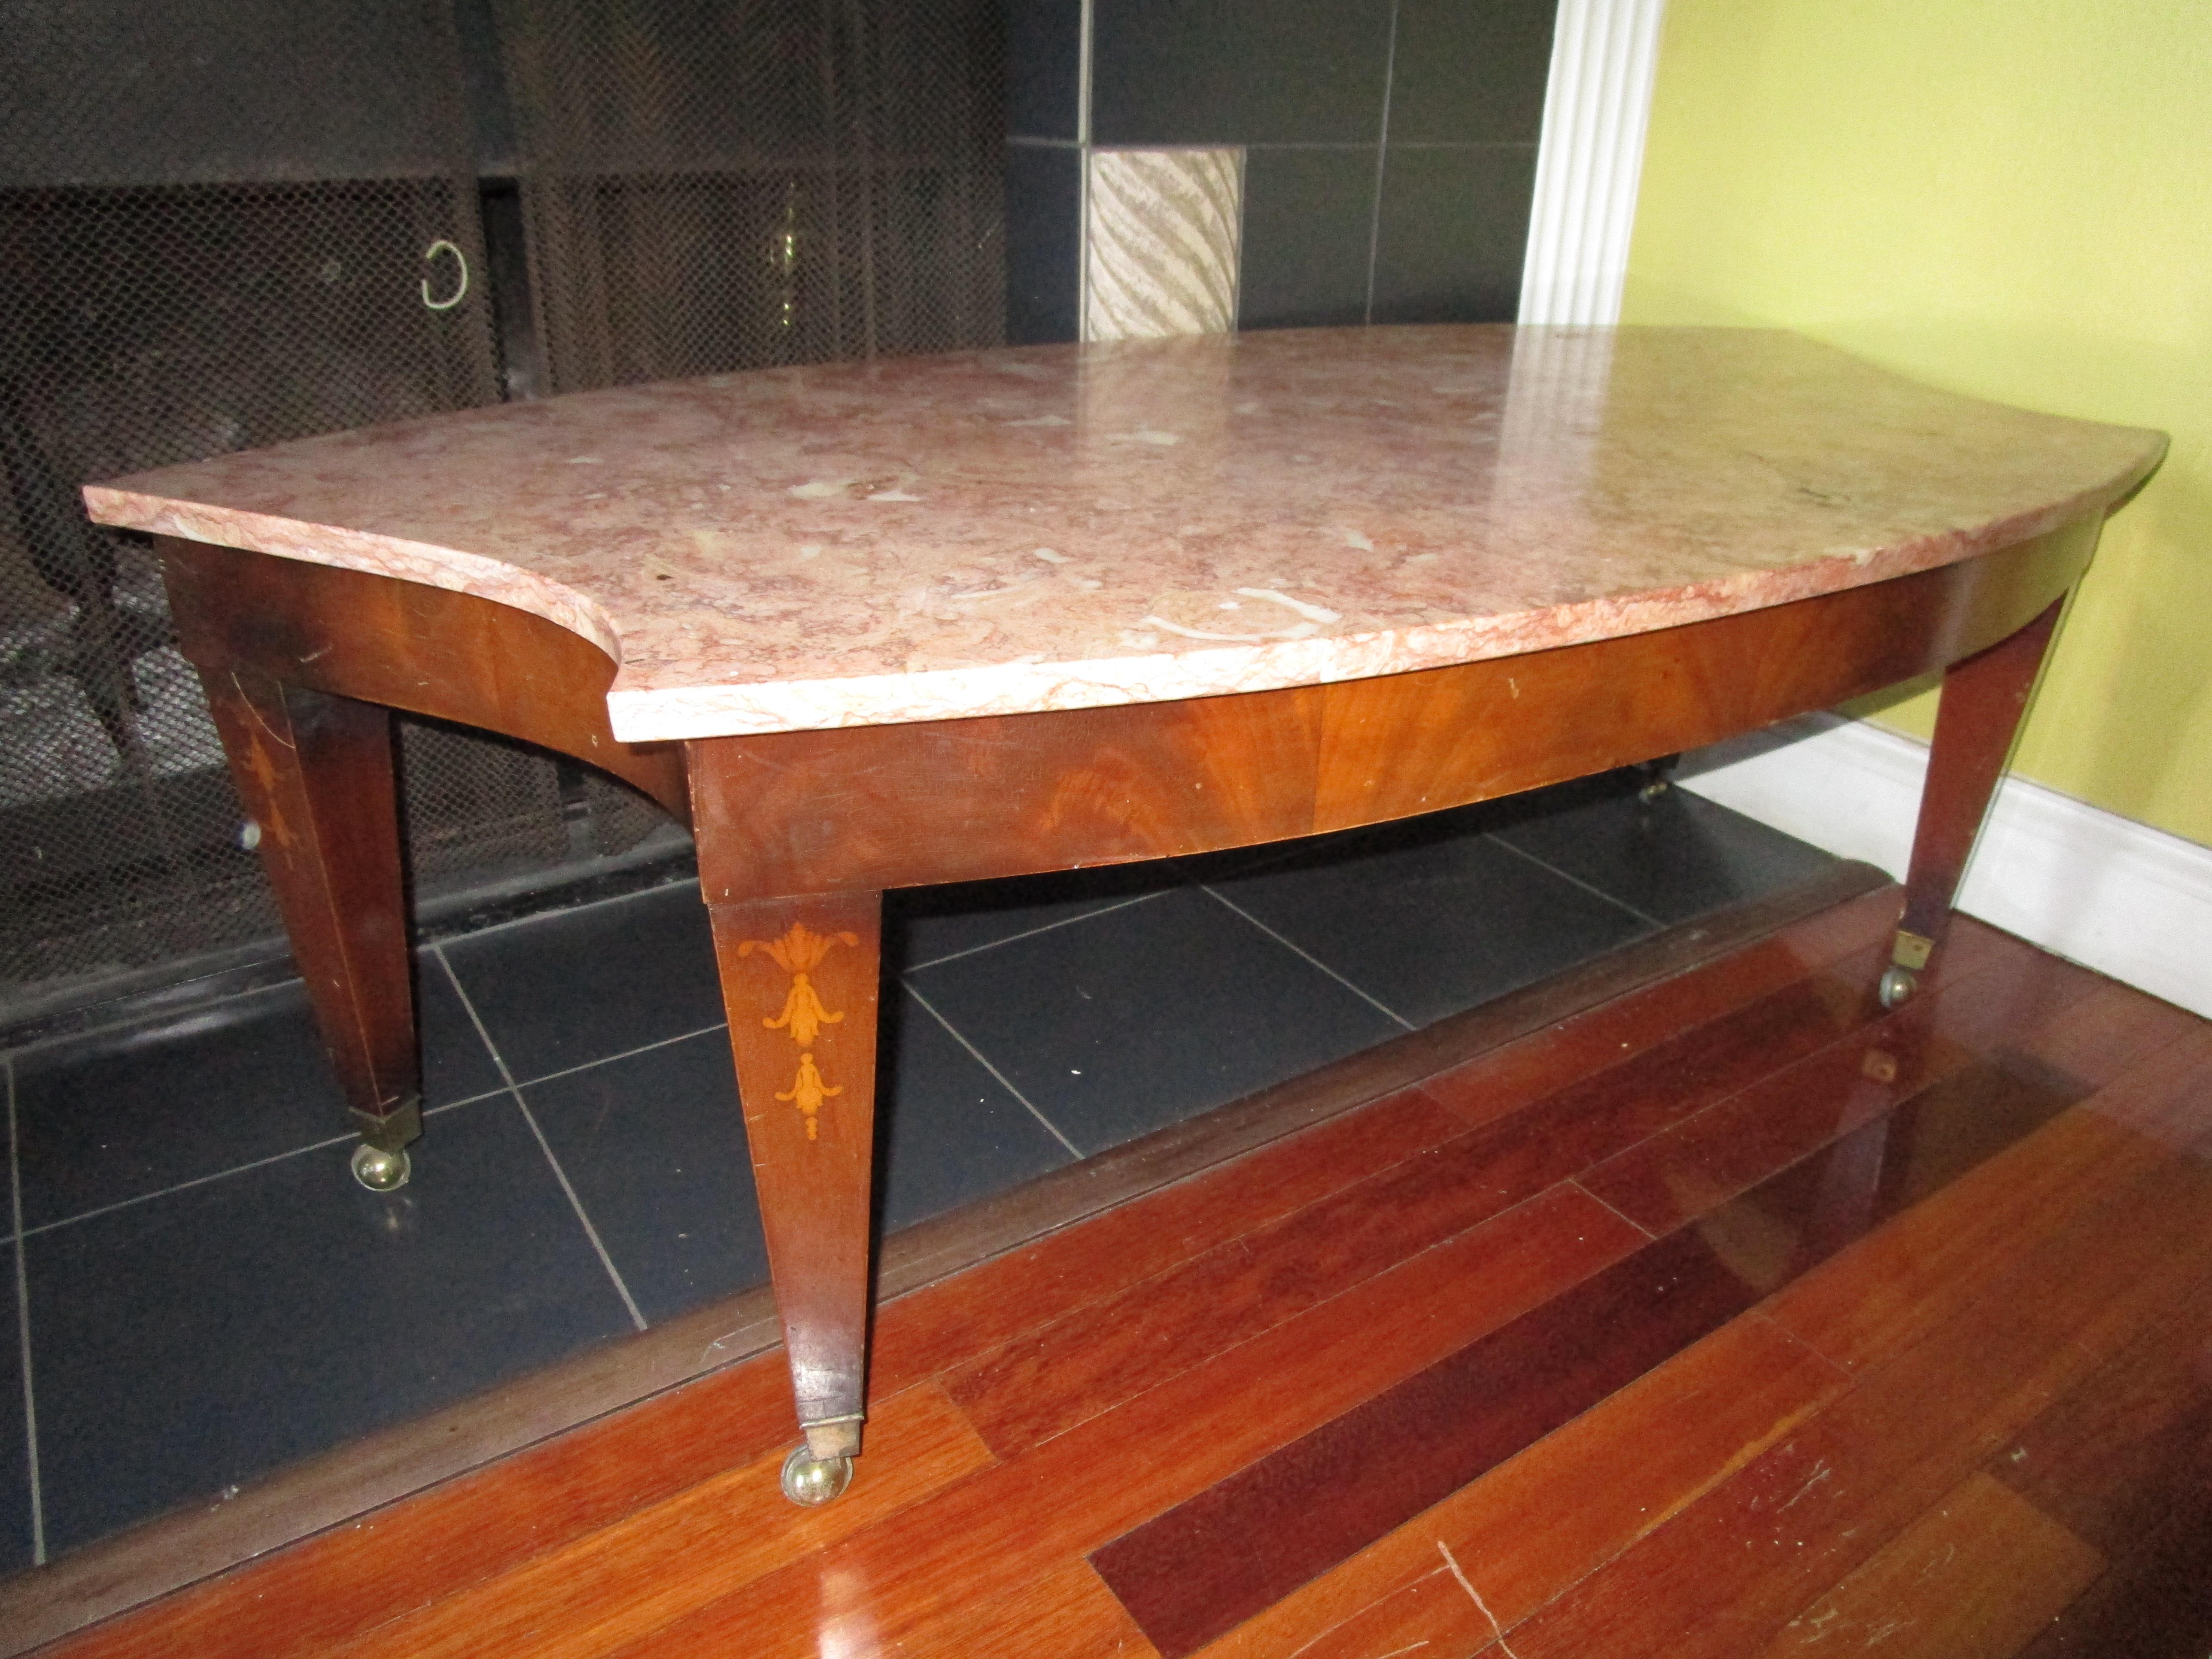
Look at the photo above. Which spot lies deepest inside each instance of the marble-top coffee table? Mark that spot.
(879, 625)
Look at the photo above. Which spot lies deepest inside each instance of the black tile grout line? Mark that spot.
(23, 1324)
(1382, 156)
(982, 1060)
(218, 1175)
(1544, 864)
(1351, 146)
(1374, 1002)
(1404, 144)
(604, 1059)
(1347, 146)
(342, 1139)
(1031, 932)
(348, 1137)
(629, 1302)
(6, 1057)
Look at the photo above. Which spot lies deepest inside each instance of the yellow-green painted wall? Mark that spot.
(2007, 197)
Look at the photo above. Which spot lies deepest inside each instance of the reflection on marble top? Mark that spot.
(1057, 527)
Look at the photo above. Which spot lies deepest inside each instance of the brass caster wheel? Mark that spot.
(812, 1480)
(1898, 984)
(379, 1170)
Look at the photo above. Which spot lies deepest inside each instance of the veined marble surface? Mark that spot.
(1061, 526)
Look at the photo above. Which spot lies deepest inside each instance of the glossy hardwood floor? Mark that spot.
(1730, 1316)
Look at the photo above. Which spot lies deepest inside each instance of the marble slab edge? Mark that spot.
(354, 550)
(659, 714)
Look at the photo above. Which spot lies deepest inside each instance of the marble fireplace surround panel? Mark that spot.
(1160, 235)
(1063, 526)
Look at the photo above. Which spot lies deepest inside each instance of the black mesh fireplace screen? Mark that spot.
(226, 225)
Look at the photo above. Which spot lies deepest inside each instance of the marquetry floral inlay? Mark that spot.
(807, 1092)
(804, 1012)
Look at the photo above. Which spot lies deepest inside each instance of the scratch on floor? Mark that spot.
(1815, 1622)
(1935, 1564)
(1503, 1646)
(1820, 1471)
(1322, 1635)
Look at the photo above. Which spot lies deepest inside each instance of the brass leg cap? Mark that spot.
(379, 1170)
(812, 1480)
(1898, 984)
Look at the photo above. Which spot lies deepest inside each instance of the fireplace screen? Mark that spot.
(224, 227)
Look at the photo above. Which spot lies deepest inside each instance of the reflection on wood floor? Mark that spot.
(1729, 1316)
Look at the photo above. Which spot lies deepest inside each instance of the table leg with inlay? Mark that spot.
(799, 980)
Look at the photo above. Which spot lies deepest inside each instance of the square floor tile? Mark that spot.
(580, 985)
(1124, 1021)
(653, 1144)
(655, 1147)
(1671, 859)
(206, 1336)
(926, 925)
(1429, 916)
(952, 1132)
(117, 1115)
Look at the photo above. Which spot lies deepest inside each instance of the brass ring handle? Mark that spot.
(441, 246)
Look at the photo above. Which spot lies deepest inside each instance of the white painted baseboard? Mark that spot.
(2084, 884)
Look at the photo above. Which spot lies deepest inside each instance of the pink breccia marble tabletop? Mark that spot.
(1053, 527)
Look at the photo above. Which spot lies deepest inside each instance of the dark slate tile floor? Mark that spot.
(201, 1293)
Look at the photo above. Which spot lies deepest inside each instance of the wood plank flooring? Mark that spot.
(1731, 1316)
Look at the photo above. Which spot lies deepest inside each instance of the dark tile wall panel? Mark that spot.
(1309, 226)
(1452, 89)
(1470, 71)
(1453, 229)
(1238, 72)
(1045, 67)
(1044, 200)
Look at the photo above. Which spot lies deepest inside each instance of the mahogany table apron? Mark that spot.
(799, 833)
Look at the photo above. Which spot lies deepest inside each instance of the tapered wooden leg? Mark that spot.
(1984, 698)
(315, 774)
(798, 979)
